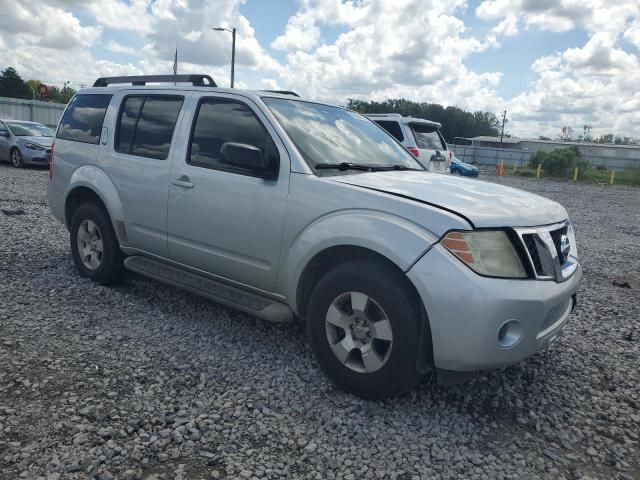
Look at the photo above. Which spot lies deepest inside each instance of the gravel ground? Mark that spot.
(146, 381)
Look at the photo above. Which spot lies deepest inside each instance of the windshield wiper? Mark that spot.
(384, 168)
(343, 166)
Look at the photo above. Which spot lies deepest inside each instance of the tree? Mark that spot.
(607, 138)
(542, 137)
(455, 121)
(12, 85)
(567, 134)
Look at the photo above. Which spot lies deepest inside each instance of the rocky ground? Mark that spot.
(146, 381)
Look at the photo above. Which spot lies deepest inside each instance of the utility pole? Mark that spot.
(232, 31)
(504, 119)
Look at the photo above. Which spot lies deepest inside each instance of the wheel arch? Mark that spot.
(90, 184)
(329, 258)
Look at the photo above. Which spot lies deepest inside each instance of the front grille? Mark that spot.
(530, 243)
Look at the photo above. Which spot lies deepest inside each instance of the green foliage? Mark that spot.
(12, 85)
(455, 121)
(559, 162)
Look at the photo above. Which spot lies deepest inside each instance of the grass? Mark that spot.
(630, 176)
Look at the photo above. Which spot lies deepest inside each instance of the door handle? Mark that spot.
(183, 182)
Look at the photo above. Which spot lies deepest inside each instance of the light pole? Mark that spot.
(233, 47)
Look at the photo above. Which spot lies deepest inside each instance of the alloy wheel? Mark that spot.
(359, 332)
(90, 247)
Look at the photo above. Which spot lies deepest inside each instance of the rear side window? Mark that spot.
(82, 121)
(146, 125)
(427, 137)
(219, 121)
(392, 127)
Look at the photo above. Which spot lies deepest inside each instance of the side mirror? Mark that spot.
(246, 157)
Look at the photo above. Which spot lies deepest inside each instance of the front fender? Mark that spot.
(96, 180)
(396, 238)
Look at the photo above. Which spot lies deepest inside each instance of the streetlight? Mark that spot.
(233, 47)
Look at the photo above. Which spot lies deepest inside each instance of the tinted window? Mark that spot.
(155, 127)
(128, 117)
(427, 137)
(219, 121)
(326, 134)
(146, 125)
(392, 127)
(82, 121)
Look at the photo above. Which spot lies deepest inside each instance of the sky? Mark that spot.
(549, 63)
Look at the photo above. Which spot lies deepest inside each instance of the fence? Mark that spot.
(47, 113)
(519, 158)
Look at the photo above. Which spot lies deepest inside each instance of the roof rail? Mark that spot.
(283, 92)
(382, 115)
(196, 79)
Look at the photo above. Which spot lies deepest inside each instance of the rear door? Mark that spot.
(226, 220)
(432, 147)
(140, 130)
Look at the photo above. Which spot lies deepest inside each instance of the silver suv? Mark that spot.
(421, 137)
(287, 208)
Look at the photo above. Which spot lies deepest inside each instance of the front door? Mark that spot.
(221, 219)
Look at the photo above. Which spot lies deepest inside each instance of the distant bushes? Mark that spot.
(559, 162)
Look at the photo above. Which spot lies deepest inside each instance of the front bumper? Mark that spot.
(467, 312)
(34, 157)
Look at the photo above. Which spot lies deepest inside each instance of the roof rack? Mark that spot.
(196, 79)
(283, 92)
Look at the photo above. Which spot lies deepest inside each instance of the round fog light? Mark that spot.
(510, 333)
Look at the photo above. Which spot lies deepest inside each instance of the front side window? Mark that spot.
(427, 137)
(146, 125)
(324, 134)
(221, 120)
(82, 121)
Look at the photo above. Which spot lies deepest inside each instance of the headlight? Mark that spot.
(488, 252)
(35, 146)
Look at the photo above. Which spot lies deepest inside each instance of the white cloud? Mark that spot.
(116, 47)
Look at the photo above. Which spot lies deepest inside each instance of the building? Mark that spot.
(599, 154)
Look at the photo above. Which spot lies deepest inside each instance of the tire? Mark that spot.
(91, 230)
(16, 158)
(456, 172)
(391, 366)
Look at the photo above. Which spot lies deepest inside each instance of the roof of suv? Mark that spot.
(189, 82)
(400, 118)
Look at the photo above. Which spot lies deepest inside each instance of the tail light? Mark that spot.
(450, 154)
(414, 151)
(51, 161)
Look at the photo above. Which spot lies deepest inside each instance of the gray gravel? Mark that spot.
(146, 381)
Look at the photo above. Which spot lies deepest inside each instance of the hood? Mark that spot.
(484, 204)
(44, 141)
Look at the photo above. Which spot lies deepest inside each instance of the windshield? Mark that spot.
(331, 135)
(29, 130)
(427, 137)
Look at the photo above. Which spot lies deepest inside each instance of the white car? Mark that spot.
(421, 137)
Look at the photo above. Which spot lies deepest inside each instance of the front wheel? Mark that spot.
(16, 158)
(363, 328)
(94, 245)
(456, 172)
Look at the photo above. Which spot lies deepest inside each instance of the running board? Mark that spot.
(220, 292)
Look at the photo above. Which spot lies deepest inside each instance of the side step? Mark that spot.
(220, 292)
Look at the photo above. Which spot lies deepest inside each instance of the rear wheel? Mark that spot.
(16, 158)
(456, 172)
(363, 328)
(94, 245)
